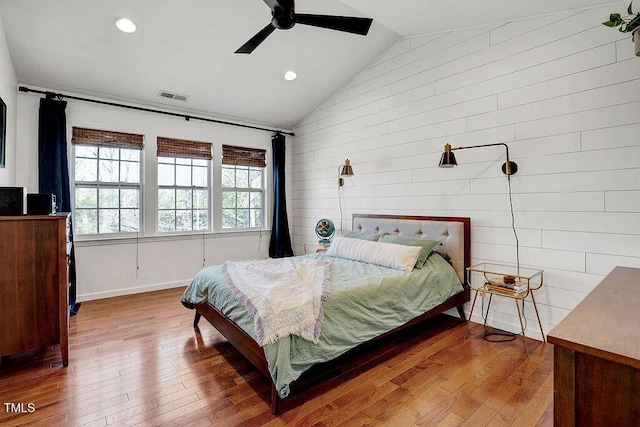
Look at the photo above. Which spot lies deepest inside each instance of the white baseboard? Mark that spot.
(130, 291)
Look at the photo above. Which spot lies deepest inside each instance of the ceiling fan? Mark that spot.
(284, 17)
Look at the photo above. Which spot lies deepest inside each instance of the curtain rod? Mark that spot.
(51, 95)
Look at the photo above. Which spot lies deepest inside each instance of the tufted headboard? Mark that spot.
(453, 232)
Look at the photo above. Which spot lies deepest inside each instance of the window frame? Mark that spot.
(250, 190)
(97, 185)
(175, 187)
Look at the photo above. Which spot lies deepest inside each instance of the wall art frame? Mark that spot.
(3, 132)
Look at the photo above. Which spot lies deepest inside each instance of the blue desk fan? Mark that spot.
(325, 231)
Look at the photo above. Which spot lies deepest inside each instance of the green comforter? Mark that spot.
(365, 301)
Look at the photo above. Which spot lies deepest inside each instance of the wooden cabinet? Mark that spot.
(34, 287)
(597, 356)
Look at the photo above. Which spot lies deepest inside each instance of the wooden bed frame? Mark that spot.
(364, 356)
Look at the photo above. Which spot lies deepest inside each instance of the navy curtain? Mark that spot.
(280, 245)
(53, 171)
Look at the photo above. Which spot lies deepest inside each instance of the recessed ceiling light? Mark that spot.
(290, 75)
(125, 25)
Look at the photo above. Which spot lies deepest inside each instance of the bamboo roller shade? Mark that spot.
(241, 156)
(172, 147)
(81, 136)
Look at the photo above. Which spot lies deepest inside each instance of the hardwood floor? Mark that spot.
(130, 365)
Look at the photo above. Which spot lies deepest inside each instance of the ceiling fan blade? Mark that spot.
(349, 24)
(271, 3)
(255, 41)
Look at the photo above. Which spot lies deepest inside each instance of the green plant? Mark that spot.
(627, 23)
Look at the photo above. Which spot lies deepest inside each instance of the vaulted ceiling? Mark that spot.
(187, 47)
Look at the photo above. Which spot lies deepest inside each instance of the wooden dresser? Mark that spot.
(597, 356)
(34, 287)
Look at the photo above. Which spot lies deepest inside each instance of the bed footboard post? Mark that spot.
(275, 400)
(461, 313)
(196, 319)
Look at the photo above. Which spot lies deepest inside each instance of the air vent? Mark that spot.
(170, 95)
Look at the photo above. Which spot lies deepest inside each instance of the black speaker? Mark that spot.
(12, 200)
(41, 204)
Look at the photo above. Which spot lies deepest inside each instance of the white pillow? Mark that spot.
(391, 255)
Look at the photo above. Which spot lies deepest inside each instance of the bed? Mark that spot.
(298, 368)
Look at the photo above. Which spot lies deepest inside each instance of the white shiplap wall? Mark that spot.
(562, 91)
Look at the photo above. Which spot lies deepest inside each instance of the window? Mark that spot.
(242, 187)
(183, 185)
(106, 181)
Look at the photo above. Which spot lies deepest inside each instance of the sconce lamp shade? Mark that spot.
(347, 170)
(344, 170)
(448, 159)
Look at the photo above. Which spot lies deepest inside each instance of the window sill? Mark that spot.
(133, 239)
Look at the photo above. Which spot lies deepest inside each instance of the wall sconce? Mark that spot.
(344, 170)
(448, 159)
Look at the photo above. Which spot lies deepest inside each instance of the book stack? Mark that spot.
(514, 288)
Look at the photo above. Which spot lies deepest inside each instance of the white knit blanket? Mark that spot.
(283, 295)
